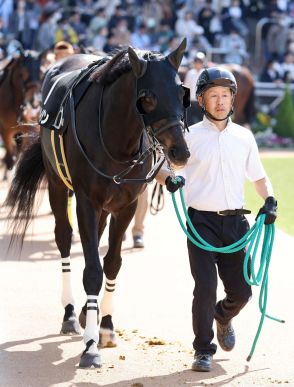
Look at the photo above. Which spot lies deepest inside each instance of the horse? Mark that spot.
(19, 84)
(132, 106)
(244, 105)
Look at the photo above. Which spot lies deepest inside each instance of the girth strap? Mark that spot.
(60, 159)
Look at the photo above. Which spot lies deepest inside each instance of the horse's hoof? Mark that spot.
(107, 338)
(91, 357)
(70, 327)
(89, 360)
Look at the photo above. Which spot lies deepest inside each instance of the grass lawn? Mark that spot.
(281, 173)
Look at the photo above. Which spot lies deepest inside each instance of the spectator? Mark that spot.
(233, 17)
(98, 22)
(121, 34)
(187, 27)
(79, 27)
(140, 38)
(116, 17)
(64, 31)
(194, 112)
(270, 72)
(205, 16)
(235, 47)
(277, 36)
(23, 23)
(288, 68)
(46, 35)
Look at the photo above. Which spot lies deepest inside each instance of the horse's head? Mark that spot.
(161, 100)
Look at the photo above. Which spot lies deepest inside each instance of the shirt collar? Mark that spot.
(209, 124)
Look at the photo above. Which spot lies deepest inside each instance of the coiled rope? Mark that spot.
(252, 238)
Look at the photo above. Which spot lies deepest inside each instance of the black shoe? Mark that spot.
(202, 362)
(226, 336)
(138, 241)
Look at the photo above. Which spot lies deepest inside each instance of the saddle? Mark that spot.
(57, 90)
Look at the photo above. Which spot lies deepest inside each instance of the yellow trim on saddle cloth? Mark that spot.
(60, 160)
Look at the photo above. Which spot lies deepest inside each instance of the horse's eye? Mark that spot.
(148, 100)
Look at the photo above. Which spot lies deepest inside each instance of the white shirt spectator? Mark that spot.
(187, 27)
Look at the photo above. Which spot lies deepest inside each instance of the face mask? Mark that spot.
(235, 12)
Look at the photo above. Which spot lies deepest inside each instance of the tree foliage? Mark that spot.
(285, 116)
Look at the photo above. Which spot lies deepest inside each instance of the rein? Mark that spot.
(252, 238)
(119, 178)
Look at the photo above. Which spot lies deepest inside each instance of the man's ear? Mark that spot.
(200, 100)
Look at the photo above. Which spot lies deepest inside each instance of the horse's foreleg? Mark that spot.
(58, 197)
(92, 278)
(112, 264)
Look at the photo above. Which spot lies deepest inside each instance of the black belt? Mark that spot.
(240, 211)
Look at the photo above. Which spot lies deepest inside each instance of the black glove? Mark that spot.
(269, 209)
(174, 183)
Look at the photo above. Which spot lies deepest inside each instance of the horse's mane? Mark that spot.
(119, 64)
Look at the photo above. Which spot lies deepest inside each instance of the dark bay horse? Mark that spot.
(244, 106)
(19, 83)
(134, 104)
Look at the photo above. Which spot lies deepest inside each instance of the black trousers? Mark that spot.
(219, 231)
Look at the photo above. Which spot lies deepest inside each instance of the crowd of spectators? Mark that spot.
(226, 25)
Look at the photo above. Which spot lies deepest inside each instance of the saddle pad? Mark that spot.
(56, 89)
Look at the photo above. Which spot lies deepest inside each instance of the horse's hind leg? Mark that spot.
(58, 196)
(112, 264)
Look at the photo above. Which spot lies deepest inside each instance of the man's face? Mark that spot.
(217, 101)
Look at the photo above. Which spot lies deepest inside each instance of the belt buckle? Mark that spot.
(220, 214)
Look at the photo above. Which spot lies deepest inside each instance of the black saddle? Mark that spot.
(57, 89)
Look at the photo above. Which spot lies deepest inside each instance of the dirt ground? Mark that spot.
(152, 315)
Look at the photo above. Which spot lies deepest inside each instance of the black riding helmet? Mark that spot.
(215, 76)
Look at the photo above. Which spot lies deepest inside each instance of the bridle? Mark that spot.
(155, 148)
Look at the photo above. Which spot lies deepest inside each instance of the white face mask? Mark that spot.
(235, 12)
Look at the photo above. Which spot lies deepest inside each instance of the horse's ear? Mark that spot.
(176, 56)
(139, 65)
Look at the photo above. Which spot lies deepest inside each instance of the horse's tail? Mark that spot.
(28, 177)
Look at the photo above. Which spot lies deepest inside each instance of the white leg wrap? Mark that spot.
(107, 299)
(91, 330)
(67, 296)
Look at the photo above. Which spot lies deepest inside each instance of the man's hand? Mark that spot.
(269, 209)
(174, 183)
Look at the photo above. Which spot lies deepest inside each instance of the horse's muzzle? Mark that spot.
(178, 156)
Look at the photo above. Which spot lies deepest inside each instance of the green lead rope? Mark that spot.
(252, 239)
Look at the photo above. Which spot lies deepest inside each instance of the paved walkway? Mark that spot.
(153, 304)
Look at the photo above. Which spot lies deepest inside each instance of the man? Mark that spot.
(222, 155)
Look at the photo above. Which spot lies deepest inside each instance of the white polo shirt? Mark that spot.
(218, 166)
